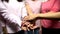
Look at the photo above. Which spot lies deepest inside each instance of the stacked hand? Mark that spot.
(30, 17)
(25, 25)
(28, 26)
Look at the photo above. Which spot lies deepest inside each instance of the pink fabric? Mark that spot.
(34, 5)
(51, 5)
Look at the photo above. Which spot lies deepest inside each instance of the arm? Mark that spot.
(49, 15)
(29, 11)
(9, 15)
(12, 20)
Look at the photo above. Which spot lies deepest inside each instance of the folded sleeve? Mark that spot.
(12, 18)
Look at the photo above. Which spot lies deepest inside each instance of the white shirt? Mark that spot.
(13, 11)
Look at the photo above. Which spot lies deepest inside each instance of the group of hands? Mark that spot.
(28, 26)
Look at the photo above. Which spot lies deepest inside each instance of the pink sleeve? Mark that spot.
(55, 6)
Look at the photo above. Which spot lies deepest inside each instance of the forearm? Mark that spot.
(49, 15)
(29, 11)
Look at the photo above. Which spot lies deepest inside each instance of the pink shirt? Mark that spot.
(51, 5)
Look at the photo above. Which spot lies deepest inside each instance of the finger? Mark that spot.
(26, 18)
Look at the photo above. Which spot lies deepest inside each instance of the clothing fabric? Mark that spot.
(34, 5)
(20, 32)
(1, 32)
(50, 26)
(50, 6)
(34, 31)
(50, 31)
(13, 12)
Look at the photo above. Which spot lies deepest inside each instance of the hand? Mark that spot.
(24, 28)
(35, 27)
(27, 23)
(23, 21)
(30, 17)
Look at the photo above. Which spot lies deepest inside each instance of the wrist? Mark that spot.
(38, 15)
